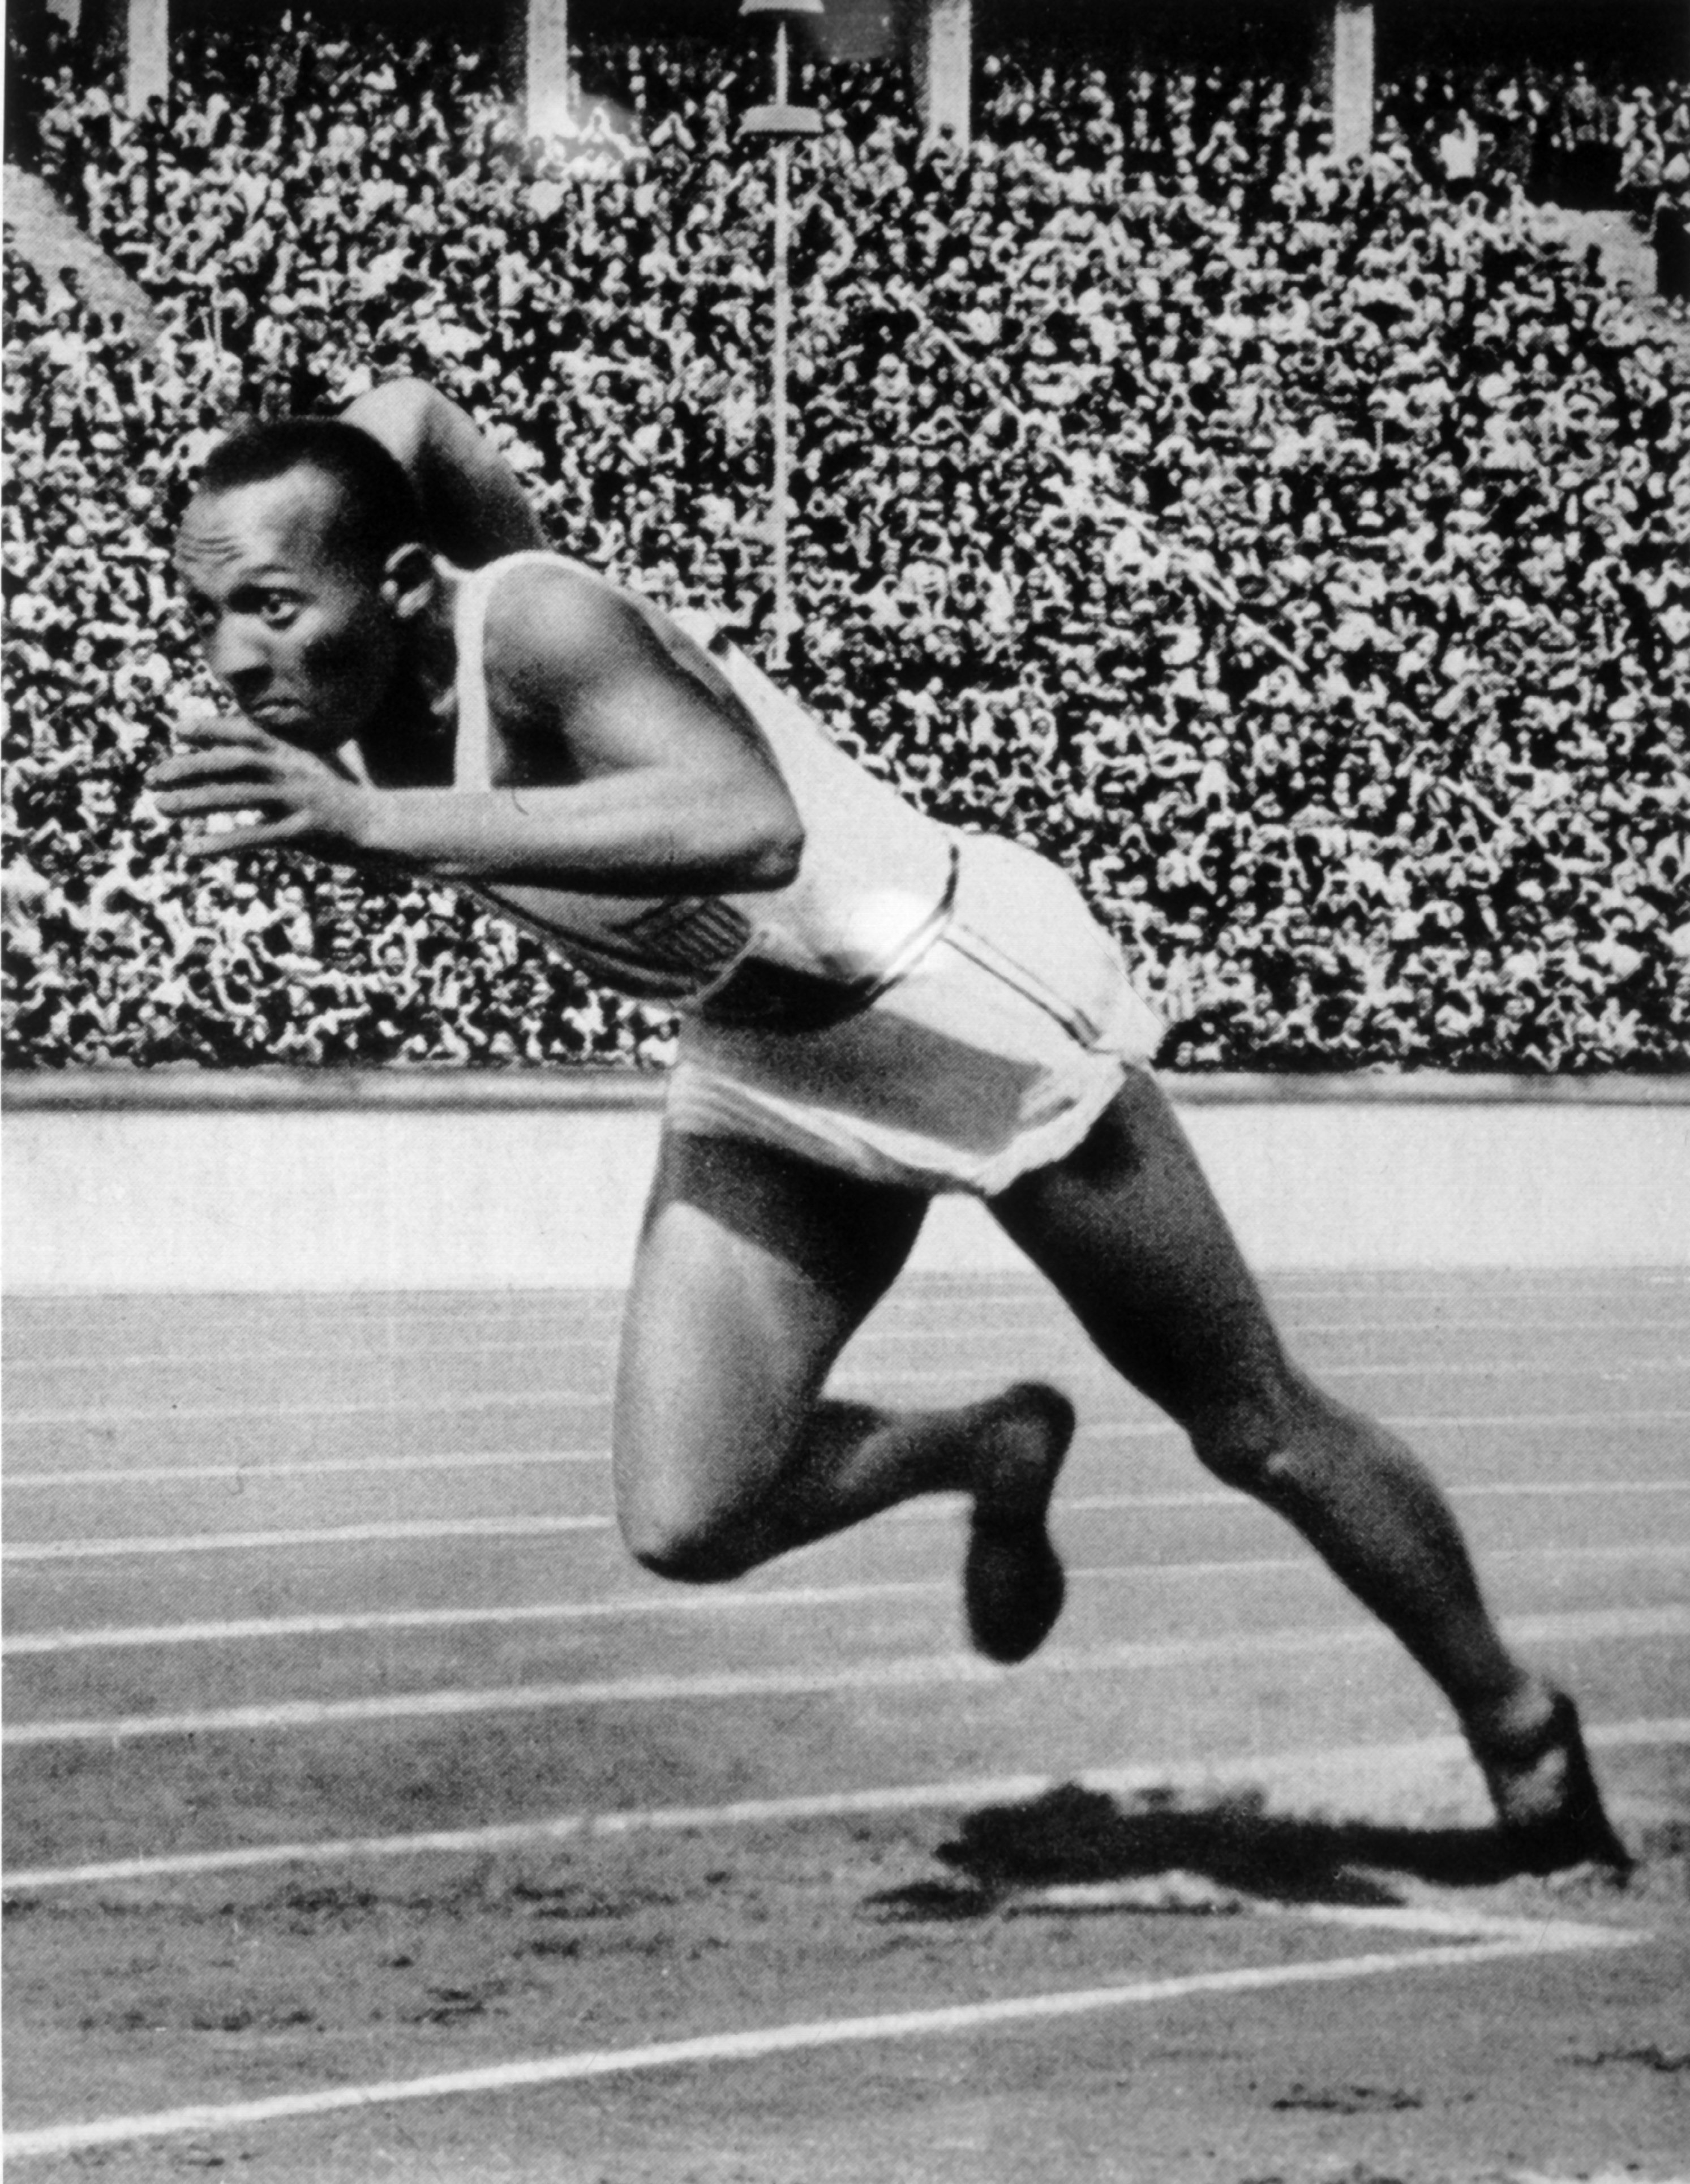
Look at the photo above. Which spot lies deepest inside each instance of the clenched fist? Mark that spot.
(233, 766)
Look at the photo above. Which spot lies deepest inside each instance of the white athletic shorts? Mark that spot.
(993, 1057)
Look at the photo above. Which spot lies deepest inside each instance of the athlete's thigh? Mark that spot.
(1128, 1231)
(753, 1269)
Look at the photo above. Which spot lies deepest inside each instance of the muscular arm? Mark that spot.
(642, 783)
(473, 507)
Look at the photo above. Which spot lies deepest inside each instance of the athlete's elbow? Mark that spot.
(397, 413)
(769, 844)
(778, 857)
(735, 834)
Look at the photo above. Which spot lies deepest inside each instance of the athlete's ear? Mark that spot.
(408, 581)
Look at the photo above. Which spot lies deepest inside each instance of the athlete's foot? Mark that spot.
(1548, 1807)
(1012, 1582)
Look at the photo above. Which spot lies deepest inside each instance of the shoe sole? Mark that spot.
(1013, 1587)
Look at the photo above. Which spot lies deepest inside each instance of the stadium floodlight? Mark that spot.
(781, 124)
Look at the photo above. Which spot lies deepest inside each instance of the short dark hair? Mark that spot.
(377, 510)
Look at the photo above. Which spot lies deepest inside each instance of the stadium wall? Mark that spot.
(271, 1180)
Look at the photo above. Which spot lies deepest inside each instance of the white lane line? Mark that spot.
(903, 1673)
(717, 1601)
(1502, 1421)
(179, 1414)
(1037, 1314)
(118, 1473)
(331, 1535)
(1034, 1312)
(713, 1602)
(366, 1353)
(1287, 1770)
(1603, 1368)
(1085, 1370)
(919, 1297)
(924, 1510)
(1490, 1942)
(1510, 1489)
(916, 1301)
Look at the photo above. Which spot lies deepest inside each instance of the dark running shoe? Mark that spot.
(1548, 1807)
(1012, 1582)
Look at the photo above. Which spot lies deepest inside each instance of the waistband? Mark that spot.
(764, 995)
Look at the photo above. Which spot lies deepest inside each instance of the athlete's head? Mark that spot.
(302, 561)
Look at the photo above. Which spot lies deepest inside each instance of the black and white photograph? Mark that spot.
(846, 1096)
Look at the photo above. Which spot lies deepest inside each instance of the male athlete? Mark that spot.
(876, 1008)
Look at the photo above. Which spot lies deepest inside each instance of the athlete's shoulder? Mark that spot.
(546, 619)
(543, 600)
(559, 640)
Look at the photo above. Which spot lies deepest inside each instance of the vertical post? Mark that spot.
(547, 90)
(781, 123)
(147, 52)
(1349, 71)
(783, 617)
(944, 58)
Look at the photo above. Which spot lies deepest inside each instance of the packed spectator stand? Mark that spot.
(1302, 555)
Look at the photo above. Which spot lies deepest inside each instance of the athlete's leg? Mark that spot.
(1128, 1230)
(754, 1270)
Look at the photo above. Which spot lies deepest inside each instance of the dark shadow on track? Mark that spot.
(1073, 1838)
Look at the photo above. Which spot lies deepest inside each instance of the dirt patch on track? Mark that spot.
(1543, 2064)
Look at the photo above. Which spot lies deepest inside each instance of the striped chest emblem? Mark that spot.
(699, 937)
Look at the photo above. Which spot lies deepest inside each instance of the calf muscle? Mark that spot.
(1130, 1233)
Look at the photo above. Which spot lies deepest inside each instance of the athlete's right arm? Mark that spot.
(632, 777)
(472, 505)
(637, 777)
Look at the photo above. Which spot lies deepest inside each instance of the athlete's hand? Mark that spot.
(234, 765)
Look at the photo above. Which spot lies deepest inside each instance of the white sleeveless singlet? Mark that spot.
(874, 887)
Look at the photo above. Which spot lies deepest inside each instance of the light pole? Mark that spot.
(781, 123)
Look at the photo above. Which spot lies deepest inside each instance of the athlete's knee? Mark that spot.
(1257, 1441)
(700, 1555)
(683, 1541)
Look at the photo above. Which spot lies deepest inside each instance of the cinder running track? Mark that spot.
(370, 1815)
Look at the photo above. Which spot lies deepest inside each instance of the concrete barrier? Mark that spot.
(271, 1180)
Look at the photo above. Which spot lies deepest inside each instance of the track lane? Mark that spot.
(1578, 1524)
(1132, 1615)
(1084, 1709)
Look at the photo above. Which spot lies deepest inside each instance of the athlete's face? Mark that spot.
(303, 639)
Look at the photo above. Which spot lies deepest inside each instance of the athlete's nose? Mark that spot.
(237, 656)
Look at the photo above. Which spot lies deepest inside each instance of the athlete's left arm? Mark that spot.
(473, 504)
(640, 780)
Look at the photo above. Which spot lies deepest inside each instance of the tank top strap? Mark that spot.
(706, 630)
(472, 757)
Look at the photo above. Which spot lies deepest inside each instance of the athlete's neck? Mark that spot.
(433, 641)
(411, 742)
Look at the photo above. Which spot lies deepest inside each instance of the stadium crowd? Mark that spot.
(1303, 556)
